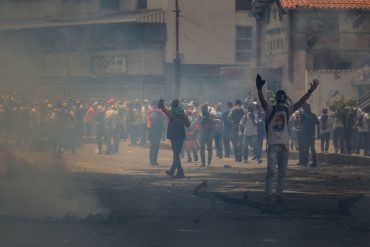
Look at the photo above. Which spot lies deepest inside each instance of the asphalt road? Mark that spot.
(48, 198)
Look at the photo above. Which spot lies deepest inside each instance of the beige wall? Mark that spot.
(208, 37)
(30, 9)
(35, 66)
(158, 4)
(341, 81)
(128, 6)
(19, 10)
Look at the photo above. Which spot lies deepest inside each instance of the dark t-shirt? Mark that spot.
(228, 125)
(176, 127)
(309, 122)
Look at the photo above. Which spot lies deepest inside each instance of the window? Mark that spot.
(109, 4)
(243, 4)
(243, 44)
(143, 4)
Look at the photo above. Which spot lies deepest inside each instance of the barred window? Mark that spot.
(243, 44)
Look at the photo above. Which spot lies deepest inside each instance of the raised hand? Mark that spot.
(161, 103)
(314, 84)
(259, 82)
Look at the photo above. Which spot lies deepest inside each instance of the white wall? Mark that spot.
(342, 81)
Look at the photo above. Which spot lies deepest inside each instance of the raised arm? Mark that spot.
(163, 108)
(299, 103)
(259, 85)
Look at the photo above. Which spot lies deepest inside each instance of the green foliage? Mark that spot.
(338, 103)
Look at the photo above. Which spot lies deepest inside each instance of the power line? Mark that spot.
(209, 30)
(200, 47)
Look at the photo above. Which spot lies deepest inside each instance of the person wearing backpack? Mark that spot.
(324, 121)
(277, 130)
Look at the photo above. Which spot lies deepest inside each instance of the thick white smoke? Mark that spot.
(33, 192)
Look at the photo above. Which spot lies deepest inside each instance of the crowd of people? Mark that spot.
(236, 128)
(348, 130)
(195, 130)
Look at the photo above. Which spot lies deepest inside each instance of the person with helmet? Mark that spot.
(277, 130)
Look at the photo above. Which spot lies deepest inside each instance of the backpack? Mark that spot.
(273, 112)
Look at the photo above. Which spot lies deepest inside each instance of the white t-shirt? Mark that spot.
(365, 123)
(278, 131)
(250, 128)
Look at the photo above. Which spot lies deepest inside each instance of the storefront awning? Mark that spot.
(152, 16)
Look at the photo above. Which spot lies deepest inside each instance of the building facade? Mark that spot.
(305, 39)
(119, 45)
(80, 43)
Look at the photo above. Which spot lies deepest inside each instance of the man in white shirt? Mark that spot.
(277, 128)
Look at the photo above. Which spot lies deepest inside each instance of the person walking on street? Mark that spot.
(176, 134)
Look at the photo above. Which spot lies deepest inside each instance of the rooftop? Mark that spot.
(326, 4)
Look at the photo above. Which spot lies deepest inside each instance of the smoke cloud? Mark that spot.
(27, 190)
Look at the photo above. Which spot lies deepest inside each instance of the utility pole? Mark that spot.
(177, 59)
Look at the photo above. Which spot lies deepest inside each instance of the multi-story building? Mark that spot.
(81, 42)
(125, 46)
(304, 39)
